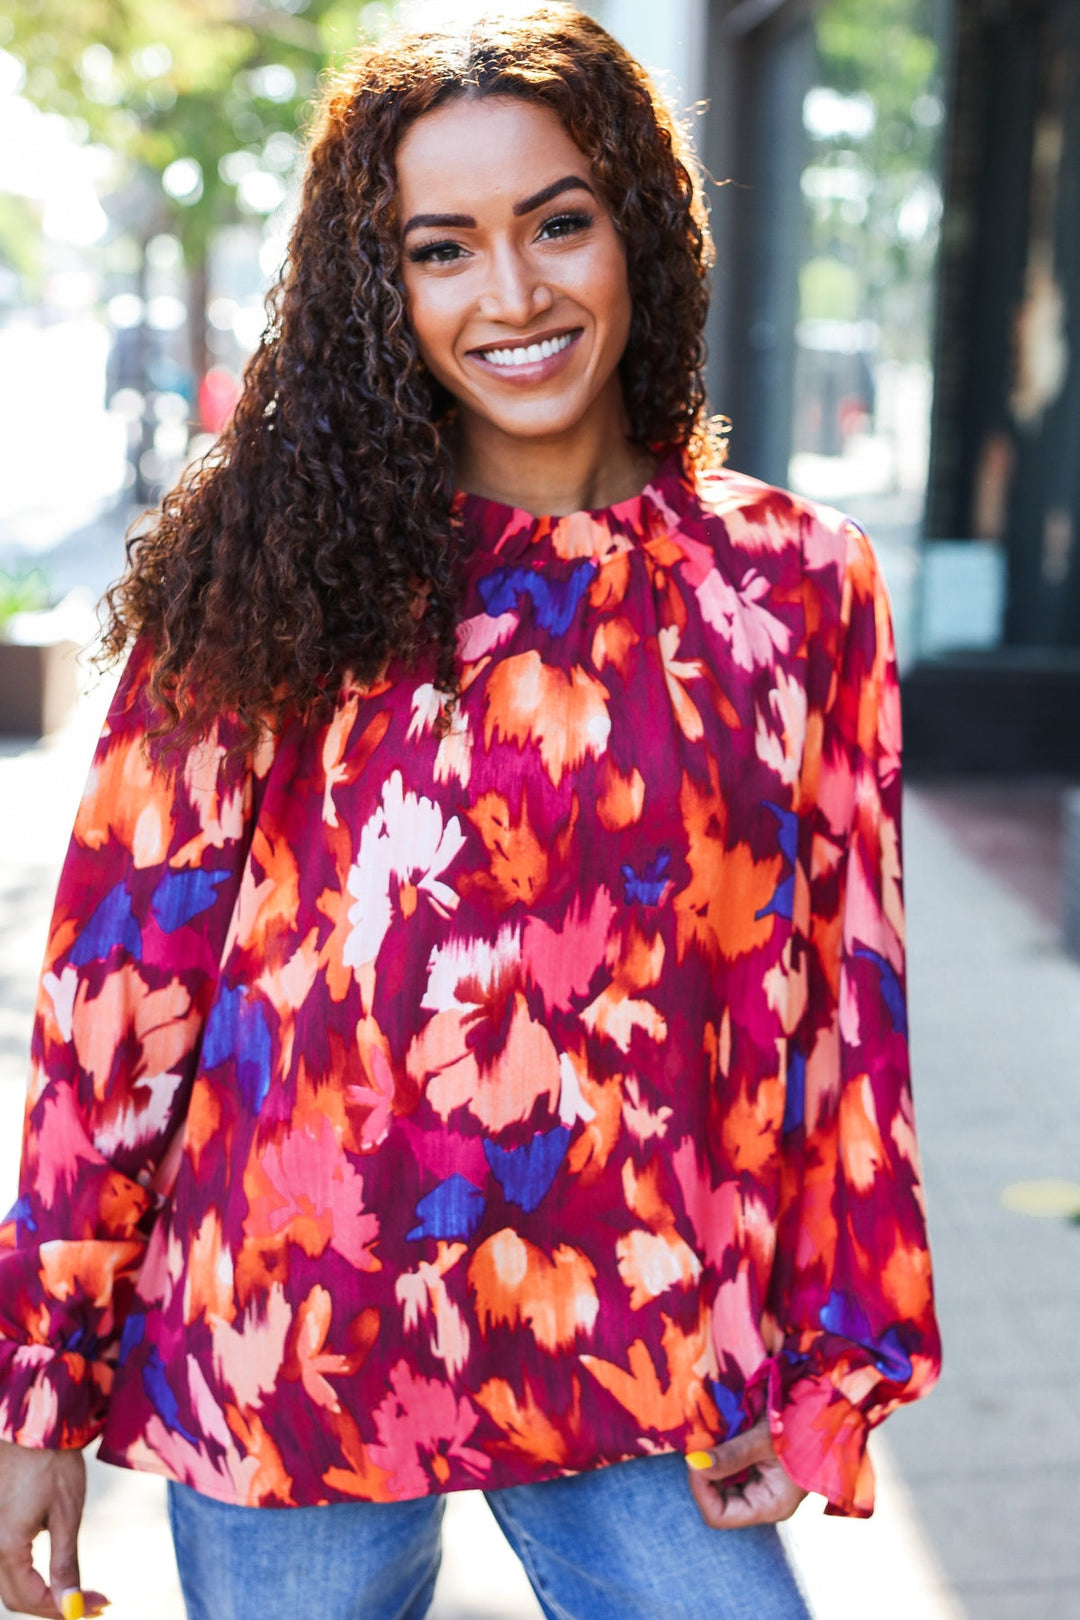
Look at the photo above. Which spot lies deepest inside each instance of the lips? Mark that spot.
(526, 353)
(529, 360)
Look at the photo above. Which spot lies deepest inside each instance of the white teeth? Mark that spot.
(527, 355)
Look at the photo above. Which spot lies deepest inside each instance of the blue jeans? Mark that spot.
(620, 1543)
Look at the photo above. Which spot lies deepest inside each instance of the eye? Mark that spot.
(435, 253)
(568, 224)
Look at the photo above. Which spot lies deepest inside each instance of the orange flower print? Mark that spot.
(564, 714)
(526, 1424)
(554, 1296)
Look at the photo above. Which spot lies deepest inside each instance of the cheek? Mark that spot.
(421, 318)
(610, 294)
(432, 320)
(623, 306)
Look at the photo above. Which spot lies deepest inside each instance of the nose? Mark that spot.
(515, 292)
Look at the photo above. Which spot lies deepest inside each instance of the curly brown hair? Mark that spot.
(300, 548)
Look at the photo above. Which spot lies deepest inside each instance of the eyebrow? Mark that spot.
(466, 222)
(569, 182)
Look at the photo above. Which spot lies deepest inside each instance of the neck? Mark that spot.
(593, 466)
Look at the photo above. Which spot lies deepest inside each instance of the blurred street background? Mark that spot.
(896, 330)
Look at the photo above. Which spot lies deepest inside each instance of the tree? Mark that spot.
(204, 97)
(875, 201)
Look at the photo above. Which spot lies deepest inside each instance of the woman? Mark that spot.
(471, 1050)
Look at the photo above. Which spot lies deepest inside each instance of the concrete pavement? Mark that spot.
(992, 1458)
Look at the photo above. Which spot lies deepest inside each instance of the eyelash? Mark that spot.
(430, 252)
(576, 219)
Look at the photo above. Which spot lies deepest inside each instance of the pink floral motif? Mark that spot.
(423, 1428)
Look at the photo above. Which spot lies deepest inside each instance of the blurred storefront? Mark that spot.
(894, 326)
(1005, 463)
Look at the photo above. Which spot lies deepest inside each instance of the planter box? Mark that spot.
(37, 687)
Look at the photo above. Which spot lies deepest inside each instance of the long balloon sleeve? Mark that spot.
(851, 1289)
(143, 904)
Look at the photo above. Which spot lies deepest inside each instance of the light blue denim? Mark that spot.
(620, 1543)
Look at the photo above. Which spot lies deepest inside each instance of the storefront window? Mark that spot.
(872, 197)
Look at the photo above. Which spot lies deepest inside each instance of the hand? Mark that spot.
(41, 1490)
(768, 1494)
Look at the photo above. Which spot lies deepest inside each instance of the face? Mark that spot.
(515, 277)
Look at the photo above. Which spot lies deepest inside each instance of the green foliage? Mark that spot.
(829, 290)
(887, 49)
(162, 80)
(20, 240)
(886, 52)
(22, 593)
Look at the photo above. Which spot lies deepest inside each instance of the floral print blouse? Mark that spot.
(415, 1109)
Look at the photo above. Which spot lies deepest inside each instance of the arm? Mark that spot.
(851, 1290)
(850, 1303)
(142, 908)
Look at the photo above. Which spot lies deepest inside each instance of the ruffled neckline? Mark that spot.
(493, 525)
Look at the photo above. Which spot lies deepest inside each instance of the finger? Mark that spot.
(722, 1507)
(732, 1456)
(21, 1587)
(708, 1499)
(64, 1579)
(76, 1604)
(739, 1512)
(768, 1499)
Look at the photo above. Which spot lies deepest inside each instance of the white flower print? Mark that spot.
(677, 672)
(404, 850)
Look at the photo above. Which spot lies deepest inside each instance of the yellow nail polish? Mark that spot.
(72, 1604)
(699, 1459)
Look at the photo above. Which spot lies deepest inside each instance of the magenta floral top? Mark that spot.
(415, 1111)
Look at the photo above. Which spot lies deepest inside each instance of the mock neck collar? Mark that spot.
(493, 522)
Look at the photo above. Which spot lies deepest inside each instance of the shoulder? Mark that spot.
(765, 521)
(217, 756)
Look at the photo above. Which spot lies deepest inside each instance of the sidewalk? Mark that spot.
(992, 1459)
(980, 1485)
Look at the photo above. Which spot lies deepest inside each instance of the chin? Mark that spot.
(553, 422)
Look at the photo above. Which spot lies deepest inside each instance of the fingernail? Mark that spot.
(699, 1459)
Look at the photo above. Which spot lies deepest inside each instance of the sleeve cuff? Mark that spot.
(49, 1399)
(820, 1438)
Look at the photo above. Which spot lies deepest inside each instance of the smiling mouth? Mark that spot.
(512, 356)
